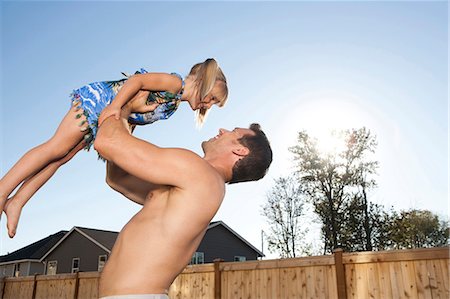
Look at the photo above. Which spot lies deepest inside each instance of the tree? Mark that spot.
(333, 179)
(367, 226)
(418, 228)
(284, 210)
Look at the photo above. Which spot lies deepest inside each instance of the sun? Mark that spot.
(321, 118)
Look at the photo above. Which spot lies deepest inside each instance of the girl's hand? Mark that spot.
(110, 110)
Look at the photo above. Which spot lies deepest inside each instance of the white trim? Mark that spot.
(93, 240)
(240, 258)
(236, 234)
(196, 257)
(78, 268)
(56, 267)
(98, 262)
(67, 235)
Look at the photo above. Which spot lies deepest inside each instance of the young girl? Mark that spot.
(151, 96)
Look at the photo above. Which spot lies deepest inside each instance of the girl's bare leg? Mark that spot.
(14, 205)
(66, 137)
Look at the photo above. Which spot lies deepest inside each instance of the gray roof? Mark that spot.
(34, 251)
(104, 237)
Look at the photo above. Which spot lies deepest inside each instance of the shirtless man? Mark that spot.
(180, 193)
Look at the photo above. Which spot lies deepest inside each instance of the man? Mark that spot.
(180, 193)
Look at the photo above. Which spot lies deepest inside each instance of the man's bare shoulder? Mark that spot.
(194, 171)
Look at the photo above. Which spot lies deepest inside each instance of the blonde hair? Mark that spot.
(205, 75)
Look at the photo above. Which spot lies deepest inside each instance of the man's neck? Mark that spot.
(222, 168)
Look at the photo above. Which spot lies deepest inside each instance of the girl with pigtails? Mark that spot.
(150, 96)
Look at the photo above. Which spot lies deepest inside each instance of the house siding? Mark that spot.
(219, 242)
(36, 268)
(76, 246)
(6, 270)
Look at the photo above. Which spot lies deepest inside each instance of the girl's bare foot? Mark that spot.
(12, 210)
(2, 204)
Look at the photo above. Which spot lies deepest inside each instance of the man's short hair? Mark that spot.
(253, 166)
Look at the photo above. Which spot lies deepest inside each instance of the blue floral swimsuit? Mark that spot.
(94, 97)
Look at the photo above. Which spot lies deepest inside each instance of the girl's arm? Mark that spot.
(149, 81)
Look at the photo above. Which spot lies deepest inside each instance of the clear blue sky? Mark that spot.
(290, 66)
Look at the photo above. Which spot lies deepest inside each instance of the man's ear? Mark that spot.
(241, 151)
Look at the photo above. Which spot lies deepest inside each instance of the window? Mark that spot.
(101, 262)
(75, 264)
(51, 267)
(238, 258)
(198, 258)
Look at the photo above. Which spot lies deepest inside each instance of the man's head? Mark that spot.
(248, 150)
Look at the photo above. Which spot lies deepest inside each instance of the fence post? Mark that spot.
(2, 289)
(340, 274)
(217, 279)
(77, 286)
(33, 296)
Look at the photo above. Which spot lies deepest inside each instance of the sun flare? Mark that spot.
(321, 118)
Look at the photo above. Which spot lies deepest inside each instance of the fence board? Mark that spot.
(321, 280)
(55, 288)
(265, 285)
(20, 289)
(422, 280)
(350, 278)
(289, 282)
(445, 265)
(397, 280)
(361, 280)
(193, 285)
(409, 283)
(310, 283)
(88, 288)
(332, 286)
(385, 279)
(373, 281)
(436, 279)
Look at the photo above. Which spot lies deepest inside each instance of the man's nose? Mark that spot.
(222, 131)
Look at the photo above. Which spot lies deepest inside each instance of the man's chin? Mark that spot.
(204, 144)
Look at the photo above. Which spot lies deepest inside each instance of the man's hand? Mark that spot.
(111, 131)
(140, 105)
(111, 110)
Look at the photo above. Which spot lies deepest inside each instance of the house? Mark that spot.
(220, 241)
(86, 249)
(27, 260)
(80, 250)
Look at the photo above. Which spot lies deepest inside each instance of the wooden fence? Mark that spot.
(419, 273)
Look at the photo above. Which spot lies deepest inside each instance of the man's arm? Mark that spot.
(128, 185)
(144, 160)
